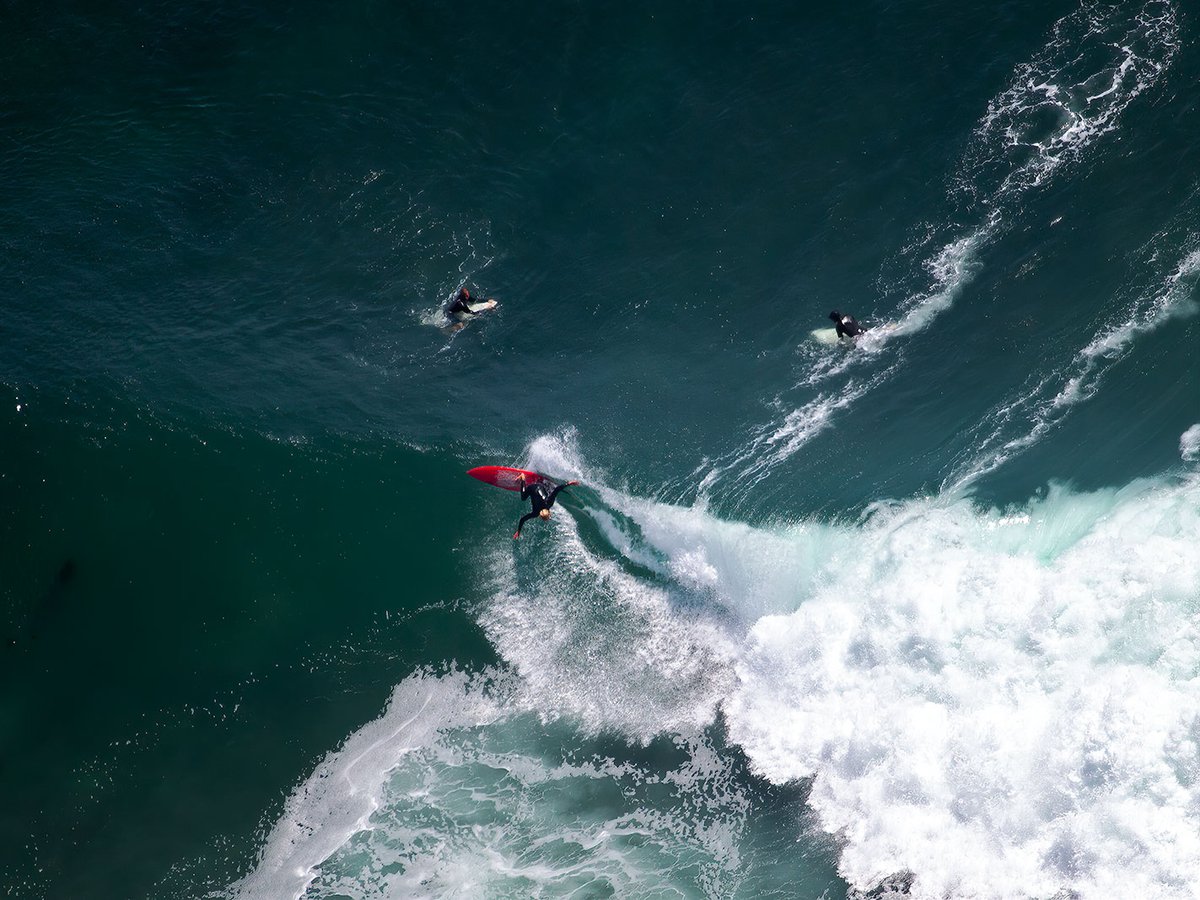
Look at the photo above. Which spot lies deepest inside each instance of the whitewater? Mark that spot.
(995, 702)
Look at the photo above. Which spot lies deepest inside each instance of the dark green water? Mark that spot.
(816, 616)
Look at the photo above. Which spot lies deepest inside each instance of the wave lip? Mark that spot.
(338, 799)
(1189, 444)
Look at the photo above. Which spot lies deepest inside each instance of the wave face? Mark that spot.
(998, 702)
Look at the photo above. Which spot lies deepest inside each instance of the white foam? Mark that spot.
(337, 800)
(602, 645)
(494, 814)
(1189, 444)
(1002, 704)
(455, 791)
(1098, 60)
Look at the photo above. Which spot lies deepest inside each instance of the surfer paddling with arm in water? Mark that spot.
(846, 326)
(463, 308)
(541, 497)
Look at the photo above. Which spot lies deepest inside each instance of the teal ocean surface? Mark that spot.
(919, 616)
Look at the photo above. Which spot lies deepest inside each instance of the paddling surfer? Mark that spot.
(463, 308)
(541, 497)
(460, 306)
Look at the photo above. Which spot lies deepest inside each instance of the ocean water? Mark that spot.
(920, 616)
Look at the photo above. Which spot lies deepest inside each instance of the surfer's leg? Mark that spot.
(554, 493)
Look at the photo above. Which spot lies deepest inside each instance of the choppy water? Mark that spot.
(921, 613)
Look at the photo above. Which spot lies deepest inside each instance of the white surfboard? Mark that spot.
(825, 336)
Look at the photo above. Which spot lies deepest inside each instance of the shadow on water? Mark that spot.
(52, 605)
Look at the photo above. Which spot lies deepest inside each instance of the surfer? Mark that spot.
(460, 306)
(541, 497)
(463, 308)
(847, 326)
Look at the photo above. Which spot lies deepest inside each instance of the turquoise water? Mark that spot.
(918, 612)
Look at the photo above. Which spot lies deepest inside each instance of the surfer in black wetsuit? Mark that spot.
(847, 326)
(460, 306)
(541, 497)
(459, 310)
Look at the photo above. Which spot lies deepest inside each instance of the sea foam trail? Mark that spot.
(1096, 62)
(1050, 401)
(777, 441)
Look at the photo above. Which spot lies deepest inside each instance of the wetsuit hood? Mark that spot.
(835, 316)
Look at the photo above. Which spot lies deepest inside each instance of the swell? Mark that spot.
(1097, 61)
(1044, 406)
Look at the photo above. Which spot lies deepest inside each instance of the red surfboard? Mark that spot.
(504, 477)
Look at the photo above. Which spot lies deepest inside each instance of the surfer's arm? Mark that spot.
(521, 524)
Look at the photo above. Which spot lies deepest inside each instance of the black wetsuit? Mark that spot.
(847, 326)
(541, 496)
(460, 306)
